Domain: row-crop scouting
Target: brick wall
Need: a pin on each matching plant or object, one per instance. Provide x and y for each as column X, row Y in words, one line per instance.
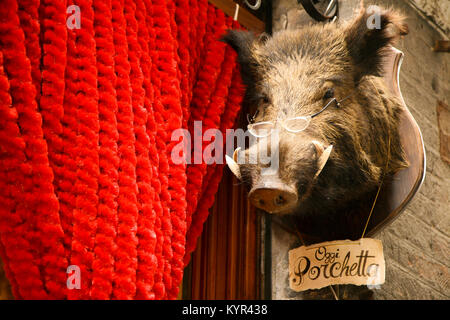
column 416, row 244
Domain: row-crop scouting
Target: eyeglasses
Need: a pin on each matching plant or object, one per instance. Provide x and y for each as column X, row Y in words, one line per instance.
column 294, row 125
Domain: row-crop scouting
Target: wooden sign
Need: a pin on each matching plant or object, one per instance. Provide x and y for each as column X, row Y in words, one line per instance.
column 358, row 262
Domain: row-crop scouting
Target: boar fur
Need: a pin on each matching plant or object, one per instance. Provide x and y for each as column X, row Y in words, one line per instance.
column 293, row 73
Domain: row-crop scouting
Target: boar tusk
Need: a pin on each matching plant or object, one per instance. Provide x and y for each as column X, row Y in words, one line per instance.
column 323, row 160
column 235, row 154
column 232, row 163
column 319, row 147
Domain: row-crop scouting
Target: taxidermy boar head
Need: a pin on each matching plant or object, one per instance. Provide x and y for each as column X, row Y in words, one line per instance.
column 320, row 88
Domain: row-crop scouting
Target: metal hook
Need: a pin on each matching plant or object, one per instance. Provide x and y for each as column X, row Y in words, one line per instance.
column 236, row 12
column 254, row 6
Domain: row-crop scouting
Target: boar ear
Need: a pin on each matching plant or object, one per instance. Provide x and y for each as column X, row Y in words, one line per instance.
column 232, row 163
column 241, row 42
column 370, row 34
column 322, row 156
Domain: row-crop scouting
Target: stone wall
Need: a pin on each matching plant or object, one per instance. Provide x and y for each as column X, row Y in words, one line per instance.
column 416, row 245
column 436, row 10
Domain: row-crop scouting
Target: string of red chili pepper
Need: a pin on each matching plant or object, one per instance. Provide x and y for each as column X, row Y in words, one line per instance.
column 181, row 18
column 84, row 218
column 170, row 97
column 108, row 188
column 147, row 261
column 29, row 179
column 125, row 254
column 53, row 37
column 165, row 119
column 29, row 22
column 179, row 22
column 154, row 126
column 54, row 262
column 14, row 249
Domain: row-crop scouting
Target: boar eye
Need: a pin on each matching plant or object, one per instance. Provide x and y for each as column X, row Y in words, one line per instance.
column 329, row 94
column 265, row 99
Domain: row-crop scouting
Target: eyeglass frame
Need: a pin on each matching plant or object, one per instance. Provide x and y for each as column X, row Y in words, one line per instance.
column 250, row 125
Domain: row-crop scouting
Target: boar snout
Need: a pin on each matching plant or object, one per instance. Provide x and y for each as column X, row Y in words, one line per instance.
column 273, row 196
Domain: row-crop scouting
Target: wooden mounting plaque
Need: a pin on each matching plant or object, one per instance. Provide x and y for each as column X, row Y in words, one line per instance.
column 397, row 193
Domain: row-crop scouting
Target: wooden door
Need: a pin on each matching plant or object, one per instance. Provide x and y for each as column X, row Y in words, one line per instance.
column 227, row 261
